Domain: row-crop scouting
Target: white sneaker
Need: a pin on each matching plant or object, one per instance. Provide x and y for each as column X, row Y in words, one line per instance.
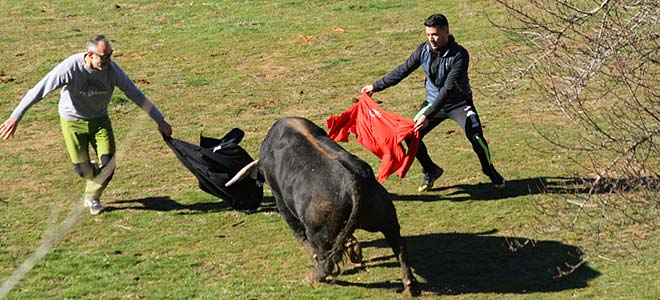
column 95, row 206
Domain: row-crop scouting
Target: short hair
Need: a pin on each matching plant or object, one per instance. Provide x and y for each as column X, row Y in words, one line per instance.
column 93, row 42
column 437, row 20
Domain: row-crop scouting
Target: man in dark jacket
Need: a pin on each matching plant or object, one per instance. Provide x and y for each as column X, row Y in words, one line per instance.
column 448, row 96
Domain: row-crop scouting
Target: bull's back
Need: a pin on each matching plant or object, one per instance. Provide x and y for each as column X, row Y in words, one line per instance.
column 299, row 160
column 303, row 143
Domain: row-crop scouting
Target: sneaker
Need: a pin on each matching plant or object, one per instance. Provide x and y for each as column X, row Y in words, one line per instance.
column 248, row 211
column 499, row 186
column 429, row 179
column 95, row 206
column 498, row 181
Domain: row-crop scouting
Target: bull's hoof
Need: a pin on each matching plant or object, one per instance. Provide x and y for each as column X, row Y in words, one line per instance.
column 311, row 278
column 312, row 284
column 413, row 289
column 354, row 251
column 319, row 276
column 329, row 279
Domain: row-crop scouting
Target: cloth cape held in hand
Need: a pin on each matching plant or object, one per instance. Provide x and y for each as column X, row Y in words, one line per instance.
column 379, row 131
column 214, row 162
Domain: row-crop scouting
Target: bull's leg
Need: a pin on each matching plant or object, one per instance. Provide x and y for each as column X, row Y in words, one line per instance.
column 297, row 227
column 323, row 265
column 321, row 239
column 400, row 249
column 298, row 230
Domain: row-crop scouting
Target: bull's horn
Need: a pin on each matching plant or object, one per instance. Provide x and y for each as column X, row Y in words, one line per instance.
column 242, row 173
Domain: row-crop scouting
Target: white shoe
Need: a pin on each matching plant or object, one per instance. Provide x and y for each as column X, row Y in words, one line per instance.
column 95, row 206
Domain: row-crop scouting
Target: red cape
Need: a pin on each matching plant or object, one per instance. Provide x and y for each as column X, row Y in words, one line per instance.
column 379, row 131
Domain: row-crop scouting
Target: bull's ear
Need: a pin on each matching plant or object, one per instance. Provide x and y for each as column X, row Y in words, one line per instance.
column 254, row 173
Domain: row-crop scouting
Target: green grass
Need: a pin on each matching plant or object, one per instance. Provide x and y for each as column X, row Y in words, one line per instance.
column 217, row 65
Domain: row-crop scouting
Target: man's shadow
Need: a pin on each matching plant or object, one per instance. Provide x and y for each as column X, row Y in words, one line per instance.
column 165, row 203
column 458, row 263
column 530, row 186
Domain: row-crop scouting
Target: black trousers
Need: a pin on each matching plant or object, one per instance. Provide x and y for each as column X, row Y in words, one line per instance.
column 467, row 117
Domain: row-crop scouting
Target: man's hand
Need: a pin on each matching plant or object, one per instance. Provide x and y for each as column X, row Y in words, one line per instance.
column 421, row 123
column 165, row 128
column 369, row 89
column 8, row 128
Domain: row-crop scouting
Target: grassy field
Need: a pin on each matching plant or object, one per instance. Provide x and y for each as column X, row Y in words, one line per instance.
column 212, row 66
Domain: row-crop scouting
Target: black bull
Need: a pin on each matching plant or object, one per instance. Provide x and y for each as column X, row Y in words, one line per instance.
column 325, row 193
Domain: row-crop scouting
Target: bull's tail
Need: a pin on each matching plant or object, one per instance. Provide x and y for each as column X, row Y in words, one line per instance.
column 336, row 254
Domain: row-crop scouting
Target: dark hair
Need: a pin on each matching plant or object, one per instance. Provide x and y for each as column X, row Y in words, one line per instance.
column 437, row 20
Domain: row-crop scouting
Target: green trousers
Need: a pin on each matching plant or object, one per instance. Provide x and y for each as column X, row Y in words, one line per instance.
column 78, row 136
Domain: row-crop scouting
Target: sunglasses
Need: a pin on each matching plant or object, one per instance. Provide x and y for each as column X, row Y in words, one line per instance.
column 104, row 57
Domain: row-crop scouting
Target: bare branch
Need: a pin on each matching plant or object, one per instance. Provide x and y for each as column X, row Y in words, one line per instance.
column 598, row 64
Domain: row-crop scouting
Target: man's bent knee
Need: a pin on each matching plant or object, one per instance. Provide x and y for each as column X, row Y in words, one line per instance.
column 84, row 169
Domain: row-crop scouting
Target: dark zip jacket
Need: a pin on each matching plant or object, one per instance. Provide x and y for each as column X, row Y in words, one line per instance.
column 447, row 84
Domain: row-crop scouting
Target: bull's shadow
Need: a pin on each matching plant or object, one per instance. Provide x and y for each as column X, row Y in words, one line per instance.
column 165, row 203
column 456, row 263
column 523, row 187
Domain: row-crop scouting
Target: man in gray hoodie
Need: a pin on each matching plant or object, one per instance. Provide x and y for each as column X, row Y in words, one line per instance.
column 88, row 80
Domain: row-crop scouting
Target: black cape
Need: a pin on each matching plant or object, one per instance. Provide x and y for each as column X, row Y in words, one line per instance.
column 216, row 161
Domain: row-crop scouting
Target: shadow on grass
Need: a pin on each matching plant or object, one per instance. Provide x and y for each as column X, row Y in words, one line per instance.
column 523, row 187
column 167, row 204
column 455, row 263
